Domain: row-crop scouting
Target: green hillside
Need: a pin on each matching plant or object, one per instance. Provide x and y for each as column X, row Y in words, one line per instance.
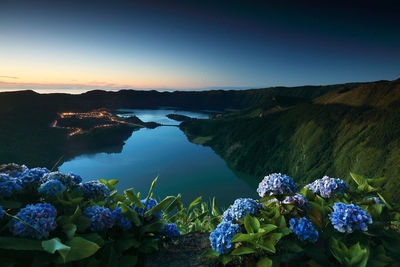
column 310, row 140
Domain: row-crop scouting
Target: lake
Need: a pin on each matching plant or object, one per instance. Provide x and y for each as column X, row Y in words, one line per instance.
column 182, row 167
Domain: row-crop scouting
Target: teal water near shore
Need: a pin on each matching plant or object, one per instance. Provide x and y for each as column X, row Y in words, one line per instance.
column 182, row 167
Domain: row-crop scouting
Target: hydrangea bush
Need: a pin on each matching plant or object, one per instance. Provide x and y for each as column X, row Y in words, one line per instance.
column 54, row 219
column 63, row 220
column 325, row 224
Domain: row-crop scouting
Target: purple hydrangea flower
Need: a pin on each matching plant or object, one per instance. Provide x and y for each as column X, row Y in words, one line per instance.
column 328, row 187
column 12, row 169
column 170, row 230
column 2, row 212
column 349, row 217
column 297, row 200
column 240, row 208
column 152, row 203
column 69, row 180
column 221, row 237
column 304, row 229
column 276, row 184
column 8, row 185
column 101, row 218
column 41, row 216
column 120, row 219
column 95, row 190
column 52, row 187
column 31, row 177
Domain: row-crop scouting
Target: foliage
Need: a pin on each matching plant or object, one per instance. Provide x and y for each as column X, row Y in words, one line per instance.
column 327, row 231
column 86, row 224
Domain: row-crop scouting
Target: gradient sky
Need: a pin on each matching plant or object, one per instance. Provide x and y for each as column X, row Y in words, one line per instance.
column 68, row 45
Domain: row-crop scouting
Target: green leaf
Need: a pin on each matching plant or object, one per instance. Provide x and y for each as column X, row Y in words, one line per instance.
column 214, row 208
column 244, row 238
column 150, row 191
column 130, row 194
column 81, row 248
column 359, row 179
column 242, row 251
column 93, row 237
column 195, row 203
column 82, row 222
column 173, row 204
column 266, row 228
column 160, row 206
column 69, row 230
column 113, row 181
column 152, row 227
column 54, row 245
column 225, row 259
column 251, row 224
column 265, row 262
column 267, row 245
column 384, row 201
column 15, row 243
column 130, row 213
column 127, row 243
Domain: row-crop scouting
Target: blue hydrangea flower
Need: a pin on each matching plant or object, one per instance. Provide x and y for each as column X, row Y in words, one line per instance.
column 120, row 219
column 52, row 187
column 152, row 203
column 2, row 212
column 8, row 185
column 221, row 237
column 101, row 218
column 297, row 200
column 12, row 169
column 31, row 177
column 376, row 200
column 276, row 184
column 41, row 216
column 170, row 230
column 69, row 180
column 304, row 229
column 240, row 208
column 95, row 190
column 349, row 217
column 328, row 187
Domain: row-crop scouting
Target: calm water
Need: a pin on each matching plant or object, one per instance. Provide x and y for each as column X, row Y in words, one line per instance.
column 183, row 167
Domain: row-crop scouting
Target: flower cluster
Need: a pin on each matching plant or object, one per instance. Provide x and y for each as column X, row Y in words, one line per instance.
column 95, row 190
column 69, row 180
column 304, row 229
column 152, row 203
column 101, row 218
column 12, row 169
column 297, row 200
column 2, row 212
column 170, row 230
column 40, row 220
column 349, row 217
column 240, row 208
column 8, row 185
column 31, row 177
column 327, row 187
column 221, row 237
column 52, row 187
column 120, row 219
column 276, row 184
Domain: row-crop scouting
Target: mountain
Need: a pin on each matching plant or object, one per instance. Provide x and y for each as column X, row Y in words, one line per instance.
column 306, row 131
column 353, row 128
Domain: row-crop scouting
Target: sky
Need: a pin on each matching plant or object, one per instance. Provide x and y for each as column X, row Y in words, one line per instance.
column 81, row 45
